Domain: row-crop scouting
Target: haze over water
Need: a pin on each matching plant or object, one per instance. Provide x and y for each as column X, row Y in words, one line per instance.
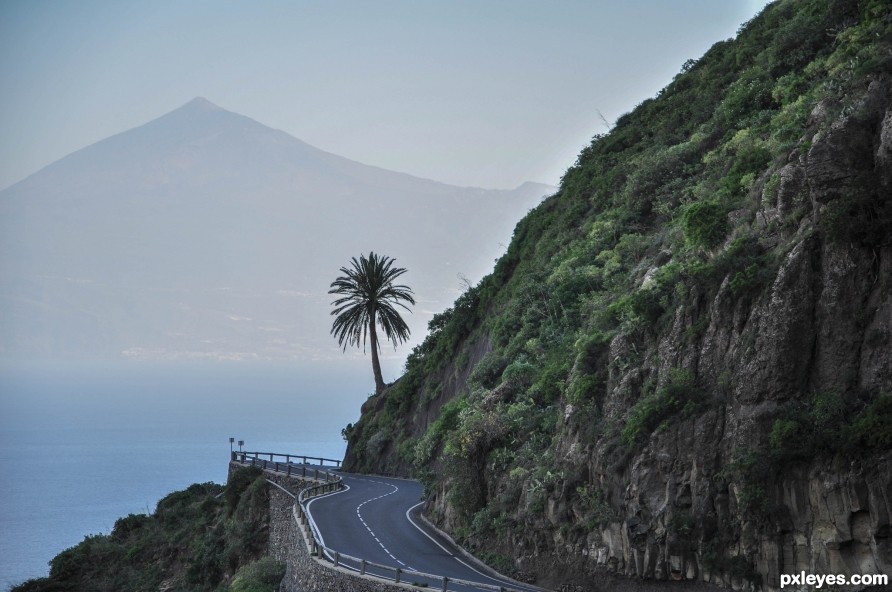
column 83, row 445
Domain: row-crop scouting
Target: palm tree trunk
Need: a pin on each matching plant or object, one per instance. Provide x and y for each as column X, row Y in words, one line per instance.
column 376, row 364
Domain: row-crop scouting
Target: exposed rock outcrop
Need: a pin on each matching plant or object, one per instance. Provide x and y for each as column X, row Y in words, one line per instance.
column 688, row 373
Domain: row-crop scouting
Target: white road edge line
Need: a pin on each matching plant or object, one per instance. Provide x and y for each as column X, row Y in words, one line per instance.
column 471, row 567
column 412, row 522
column 310, row 514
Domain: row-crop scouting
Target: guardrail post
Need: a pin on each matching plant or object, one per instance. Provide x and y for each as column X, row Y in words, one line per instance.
column 305, row 460
column 399, row 574
column 445, row 583
column 362, row 568
column 337, row 559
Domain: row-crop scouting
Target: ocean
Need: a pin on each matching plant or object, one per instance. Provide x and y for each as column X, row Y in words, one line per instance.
column 82, row 445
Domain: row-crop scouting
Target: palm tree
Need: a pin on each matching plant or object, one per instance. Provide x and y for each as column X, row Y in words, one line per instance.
column 368, row 296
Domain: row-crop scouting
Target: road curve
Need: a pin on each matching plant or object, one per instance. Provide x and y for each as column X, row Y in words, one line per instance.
column 376, row 519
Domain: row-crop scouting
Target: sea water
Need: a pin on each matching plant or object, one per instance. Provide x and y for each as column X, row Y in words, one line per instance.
column 83, row 444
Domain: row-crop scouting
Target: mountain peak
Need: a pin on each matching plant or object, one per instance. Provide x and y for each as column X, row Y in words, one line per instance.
column 203, row 104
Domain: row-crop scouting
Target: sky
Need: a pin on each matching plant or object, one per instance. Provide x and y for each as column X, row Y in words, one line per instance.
column 484, row 93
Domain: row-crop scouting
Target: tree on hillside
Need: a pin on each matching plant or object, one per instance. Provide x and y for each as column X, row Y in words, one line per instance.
column 368, row 300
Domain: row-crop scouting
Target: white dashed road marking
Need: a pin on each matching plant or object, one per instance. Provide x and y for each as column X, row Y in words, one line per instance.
column 371, row 532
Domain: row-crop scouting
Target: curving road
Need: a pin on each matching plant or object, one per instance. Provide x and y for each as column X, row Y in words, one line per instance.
column 376, row 518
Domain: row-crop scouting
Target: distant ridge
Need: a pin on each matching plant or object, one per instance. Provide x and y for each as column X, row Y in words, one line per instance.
column 183, row 237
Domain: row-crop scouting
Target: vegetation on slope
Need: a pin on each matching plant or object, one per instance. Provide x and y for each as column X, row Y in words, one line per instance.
column 204, row 538
column 653, row 220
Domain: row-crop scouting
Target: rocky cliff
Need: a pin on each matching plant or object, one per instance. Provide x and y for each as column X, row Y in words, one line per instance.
column 682, row 367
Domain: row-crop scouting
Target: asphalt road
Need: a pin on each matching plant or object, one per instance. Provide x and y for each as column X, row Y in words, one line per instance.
column 376, row 519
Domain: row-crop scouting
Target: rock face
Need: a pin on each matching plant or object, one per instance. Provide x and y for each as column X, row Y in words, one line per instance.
column 727, row 425
column 772, row 453
column 823, row 325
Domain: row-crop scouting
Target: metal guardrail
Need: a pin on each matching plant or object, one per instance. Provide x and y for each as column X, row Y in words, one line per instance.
column 288, row 458
column 332, row 483
column 289, row 468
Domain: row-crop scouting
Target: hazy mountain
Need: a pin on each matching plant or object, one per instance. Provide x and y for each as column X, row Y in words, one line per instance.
column 204, row 233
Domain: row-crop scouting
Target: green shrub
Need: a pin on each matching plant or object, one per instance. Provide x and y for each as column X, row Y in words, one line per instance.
column 750, row 471
column 751, row 159
column 584, row 388
column 745, row 261
column 594, row 505
column 785, row 434
column 861, row 217
column 679, row 396
column 705, row 224
column 645, row 306
column 499, row 562
column 830, row 423
column 263, row 575
column 488, row 370
column 873, row 426
column 682, row 524
column 428, row 445
column 520, row 374
column 751, row 92
column 550, row 382
column 236, row 486
column 129, row 525
column 746, row 281
column 44, row 585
